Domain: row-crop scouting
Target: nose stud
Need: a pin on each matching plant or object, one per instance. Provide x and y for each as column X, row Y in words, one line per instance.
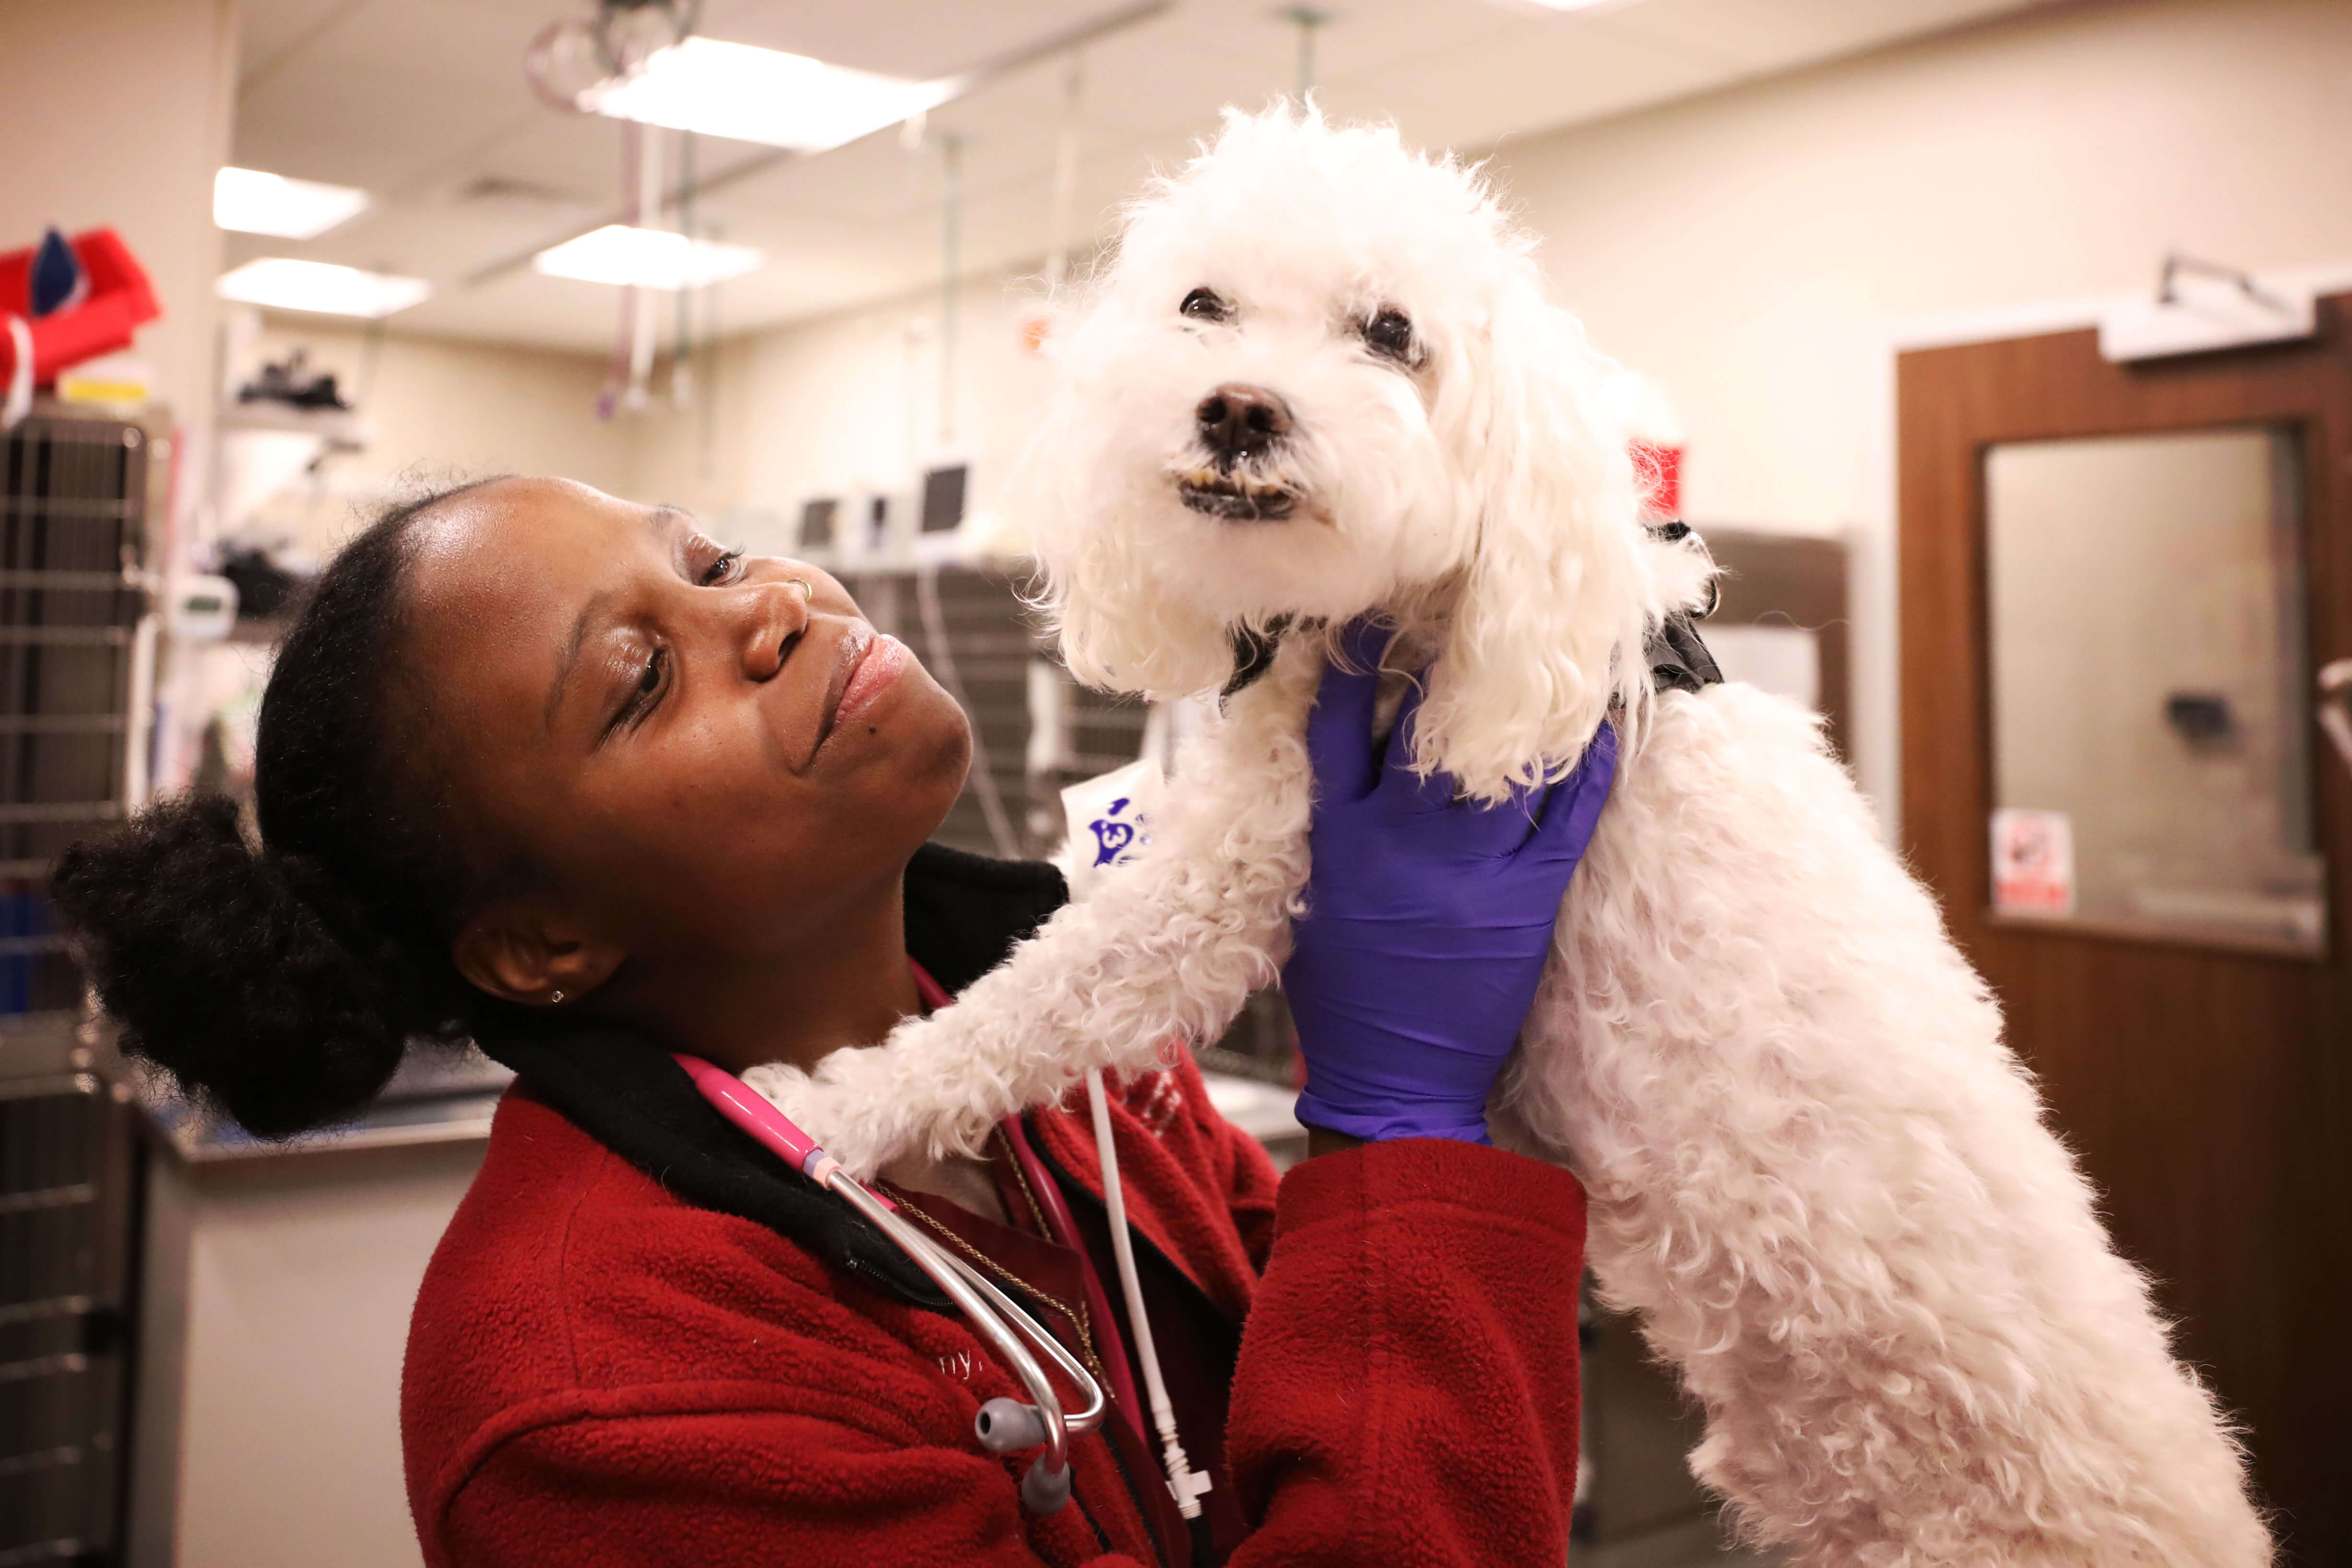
column 1238, row 421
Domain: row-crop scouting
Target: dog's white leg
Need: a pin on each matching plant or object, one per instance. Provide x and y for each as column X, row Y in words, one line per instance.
column 1822, row 1180
column 1169, row 946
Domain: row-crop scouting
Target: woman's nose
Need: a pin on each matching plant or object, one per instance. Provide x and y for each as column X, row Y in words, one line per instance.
column 774, row 615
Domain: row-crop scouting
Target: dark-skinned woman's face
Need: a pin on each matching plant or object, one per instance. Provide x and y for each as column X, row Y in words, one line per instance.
column 699, row 753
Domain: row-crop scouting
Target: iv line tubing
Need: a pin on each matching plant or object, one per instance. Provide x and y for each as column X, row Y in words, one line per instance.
column 1181, row 1479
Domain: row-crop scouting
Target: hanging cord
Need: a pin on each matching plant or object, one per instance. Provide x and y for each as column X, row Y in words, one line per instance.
column 1308, row 20
column 1183, row 1479
column 681, row 353
column 707, row 398
column 616, row 373
column 950, row 263
column 648, row 211
column 1065, row 176
column 941, row 657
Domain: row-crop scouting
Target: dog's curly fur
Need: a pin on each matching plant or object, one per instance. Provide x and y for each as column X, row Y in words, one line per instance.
column 1815, row 1170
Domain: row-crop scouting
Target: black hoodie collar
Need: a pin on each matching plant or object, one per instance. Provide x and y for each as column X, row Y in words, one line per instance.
column 964, row 912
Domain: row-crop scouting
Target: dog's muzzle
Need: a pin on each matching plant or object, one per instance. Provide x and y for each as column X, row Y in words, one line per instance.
column 1234, row 499
column 1238, row 424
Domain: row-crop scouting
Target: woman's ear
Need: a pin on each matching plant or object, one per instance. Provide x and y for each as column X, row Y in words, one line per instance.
column 528, row 950
column 1546, row 631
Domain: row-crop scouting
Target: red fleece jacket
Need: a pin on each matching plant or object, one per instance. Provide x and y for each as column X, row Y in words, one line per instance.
column 599, row 1374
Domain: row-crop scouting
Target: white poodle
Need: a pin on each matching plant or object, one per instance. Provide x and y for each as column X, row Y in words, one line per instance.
column 1322, row 378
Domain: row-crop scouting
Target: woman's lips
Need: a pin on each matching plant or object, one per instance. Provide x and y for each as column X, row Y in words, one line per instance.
column 874, row 671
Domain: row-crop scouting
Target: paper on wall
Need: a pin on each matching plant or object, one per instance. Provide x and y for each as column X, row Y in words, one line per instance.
column 1110, row 820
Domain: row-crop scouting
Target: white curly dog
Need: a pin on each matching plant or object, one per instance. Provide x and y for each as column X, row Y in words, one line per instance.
column 1322, row 378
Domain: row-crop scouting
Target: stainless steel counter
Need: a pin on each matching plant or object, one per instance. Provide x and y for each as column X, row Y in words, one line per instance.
column 435, row 1097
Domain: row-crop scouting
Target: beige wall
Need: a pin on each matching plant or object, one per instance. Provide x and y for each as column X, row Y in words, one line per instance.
column 117, row 112
column 853, row 401
column 443, row 409
column 1759, row 249
column 1754, row 249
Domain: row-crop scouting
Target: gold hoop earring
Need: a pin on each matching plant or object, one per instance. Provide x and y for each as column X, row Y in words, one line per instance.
column 553, row 1000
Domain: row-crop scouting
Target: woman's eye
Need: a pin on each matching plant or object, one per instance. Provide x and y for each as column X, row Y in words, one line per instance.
column 1390, row 335
column 721, row 570
column 642, row 698
column 1205, row 305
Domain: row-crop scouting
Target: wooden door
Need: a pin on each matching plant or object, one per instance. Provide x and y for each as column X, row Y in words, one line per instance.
column 2203, row 1074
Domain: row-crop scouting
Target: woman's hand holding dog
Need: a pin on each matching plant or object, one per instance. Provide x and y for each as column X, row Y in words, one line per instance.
column 1428, row 917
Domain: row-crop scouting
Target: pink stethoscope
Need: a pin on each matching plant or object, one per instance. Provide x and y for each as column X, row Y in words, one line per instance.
column 1002, row 1425
column 1005, row 1425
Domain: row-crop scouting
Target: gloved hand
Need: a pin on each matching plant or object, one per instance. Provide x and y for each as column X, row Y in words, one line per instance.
column 1428, row 919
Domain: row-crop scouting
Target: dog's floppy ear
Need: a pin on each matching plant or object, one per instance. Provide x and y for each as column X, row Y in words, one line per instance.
column 1546, row 628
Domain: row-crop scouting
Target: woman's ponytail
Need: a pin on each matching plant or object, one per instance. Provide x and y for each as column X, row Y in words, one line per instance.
column 280, row 980
column 221, row 972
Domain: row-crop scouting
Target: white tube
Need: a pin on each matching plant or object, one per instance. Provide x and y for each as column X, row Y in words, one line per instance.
column 1183, row 1480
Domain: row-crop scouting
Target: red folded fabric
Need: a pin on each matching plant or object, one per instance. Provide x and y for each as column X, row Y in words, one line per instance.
column 120, row 301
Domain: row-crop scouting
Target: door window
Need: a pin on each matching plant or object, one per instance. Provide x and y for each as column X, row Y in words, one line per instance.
column 2152, row 721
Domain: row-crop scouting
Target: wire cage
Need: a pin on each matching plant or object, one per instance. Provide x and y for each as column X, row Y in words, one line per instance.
column 73, row 501
column 74, row 495
column 970, row 628
column 67, row 1164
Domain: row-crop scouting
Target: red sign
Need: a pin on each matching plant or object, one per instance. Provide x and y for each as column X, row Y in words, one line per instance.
column 2032, row 862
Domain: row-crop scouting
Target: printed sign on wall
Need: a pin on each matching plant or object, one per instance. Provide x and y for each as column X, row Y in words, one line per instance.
column 2032, row 862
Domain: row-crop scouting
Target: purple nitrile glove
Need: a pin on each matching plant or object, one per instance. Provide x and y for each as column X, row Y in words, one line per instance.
column 1428, row 919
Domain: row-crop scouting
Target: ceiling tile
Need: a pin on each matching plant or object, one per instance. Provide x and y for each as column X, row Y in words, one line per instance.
column 422, row 101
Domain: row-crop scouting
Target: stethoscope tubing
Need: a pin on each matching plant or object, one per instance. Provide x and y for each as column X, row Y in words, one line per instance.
column 1003, row 1322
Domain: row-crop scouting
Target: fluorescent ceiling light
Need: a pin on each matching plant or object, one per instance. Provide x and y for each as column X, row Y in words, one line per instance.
column 650, row 257
column 282, row 283
column 716, row 89
column 252, row 202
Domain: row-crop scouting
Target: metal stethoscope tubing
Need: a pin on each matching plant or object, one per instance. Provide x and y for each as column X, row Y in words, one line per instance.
column 1004, row 1425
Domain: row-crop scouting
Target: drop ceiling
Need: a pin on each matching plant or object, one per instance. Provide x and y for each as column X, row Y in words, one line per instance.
column 422, row 103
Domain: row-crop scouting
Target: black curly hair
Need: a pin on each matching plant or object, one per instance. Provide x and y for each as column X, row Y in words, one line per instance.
column 281, row 982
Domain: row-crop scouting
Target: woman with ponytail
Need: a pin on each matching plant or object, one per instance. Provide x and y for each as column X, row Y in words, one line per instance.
column 557, row 774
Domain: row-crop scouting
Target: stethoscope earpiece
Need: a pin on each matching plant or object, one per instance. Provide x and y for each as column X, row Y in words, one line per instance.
column 1007, row 1426
column 1044, row 1490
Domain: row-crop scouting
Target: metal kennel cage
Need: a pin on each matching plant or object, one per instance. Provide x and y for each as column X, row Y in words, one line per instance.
column 74, row 498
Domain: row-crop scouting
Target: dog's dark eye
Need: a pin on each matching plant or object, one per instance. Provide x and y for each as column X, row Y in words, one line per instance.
column 1205, row 305
column 1390, row 335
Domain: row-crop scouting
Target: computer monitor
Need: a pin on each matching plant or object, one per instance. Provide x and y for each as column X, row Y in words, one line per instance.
column 817, row 515
column 943, row 497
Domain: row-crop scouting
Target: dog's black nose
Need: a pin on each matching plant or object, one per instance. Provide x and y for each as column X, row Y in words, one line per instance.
column 1239, row 421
